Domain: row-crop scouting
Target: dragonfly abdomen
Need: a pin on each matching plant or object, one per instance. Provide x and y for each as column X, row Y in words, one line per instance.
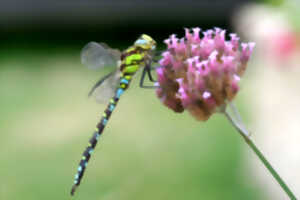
column 124, row 83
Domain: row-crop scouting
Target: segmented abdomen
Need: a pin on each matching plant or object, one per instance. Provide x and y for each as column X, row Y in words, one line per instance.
column 129, row 66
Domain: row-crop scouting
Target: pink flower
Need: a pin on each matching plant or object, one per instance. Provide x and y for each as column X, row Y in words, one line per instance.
column 200, row 74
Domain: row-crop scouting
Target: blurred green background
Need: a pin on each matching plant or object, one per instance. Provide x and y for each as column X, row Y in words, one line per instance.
column 147, row 151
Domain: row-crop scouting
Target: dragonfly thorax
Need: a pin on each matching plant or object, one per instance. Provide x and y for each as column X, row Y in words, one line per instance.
column 134, row 57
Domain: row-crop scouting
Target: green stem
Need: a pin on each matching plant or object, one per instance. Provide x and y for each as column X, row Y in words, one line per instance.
column 245, row 134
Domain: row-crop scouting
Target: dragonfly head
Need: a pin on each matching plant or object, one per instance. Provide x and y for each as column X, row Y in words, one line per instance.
column 145, row 42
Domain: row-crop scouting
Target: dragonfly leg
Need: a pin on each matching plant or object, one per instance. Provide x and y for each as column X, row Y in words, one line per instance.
column 142, row 81
column 148, row 69
column 150, row 75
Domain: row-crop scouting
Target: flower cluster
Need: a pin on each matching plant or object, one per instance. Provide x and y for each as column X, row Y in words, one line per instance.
column 200, row 74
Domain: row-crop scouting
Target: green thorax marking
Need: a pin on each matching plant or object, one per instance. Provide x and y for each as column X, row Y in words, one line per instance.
column 132, row 58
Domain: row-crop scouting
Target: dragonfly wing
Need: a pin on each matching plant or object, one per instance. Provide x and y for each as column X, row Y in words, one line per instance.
column 95, row 56
column 99, row 83
column 115, row 52
column 106, row 89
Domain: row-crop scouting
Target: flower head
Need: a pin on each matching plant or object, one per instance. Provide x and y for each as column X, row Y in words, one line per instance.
column 200, row 74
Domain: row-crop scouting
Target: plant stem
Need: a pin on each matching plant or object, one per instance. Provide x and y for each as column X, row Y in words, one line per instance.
column 245, row 134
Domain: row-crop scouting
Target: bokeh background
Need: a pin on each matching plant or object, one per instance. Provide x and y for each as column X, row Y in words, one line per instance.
column 147, row 151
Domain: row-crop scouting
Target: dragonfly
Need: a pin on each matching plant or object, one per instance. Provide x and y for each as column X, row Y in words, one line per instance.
column 114, row 84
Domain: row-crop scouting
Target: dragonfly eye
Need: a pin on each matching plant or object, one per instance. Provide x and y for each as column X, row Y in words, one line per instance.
column 145, row 42
column 140, row 42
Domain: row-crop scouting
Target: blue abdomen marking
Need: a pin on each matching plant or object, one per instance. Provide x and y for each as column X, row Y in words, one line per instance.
column 120, row 91
column 97, row 136
column 104, row 122
column 111, row 107
column 125, row 81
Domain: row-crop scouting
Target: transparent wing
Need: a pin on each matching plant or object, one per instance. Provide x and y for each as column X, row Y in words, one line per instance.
column 115, row 52
column 106, row 89
column 95, row 56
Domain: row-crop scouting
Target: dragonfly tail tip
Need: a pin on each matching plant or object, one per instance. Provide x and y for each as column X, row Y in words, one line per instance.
column 73, row 190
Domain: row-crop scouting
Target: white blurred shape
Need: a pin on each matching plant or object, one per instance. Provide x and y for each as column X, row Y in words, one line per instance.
column 275, row 94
